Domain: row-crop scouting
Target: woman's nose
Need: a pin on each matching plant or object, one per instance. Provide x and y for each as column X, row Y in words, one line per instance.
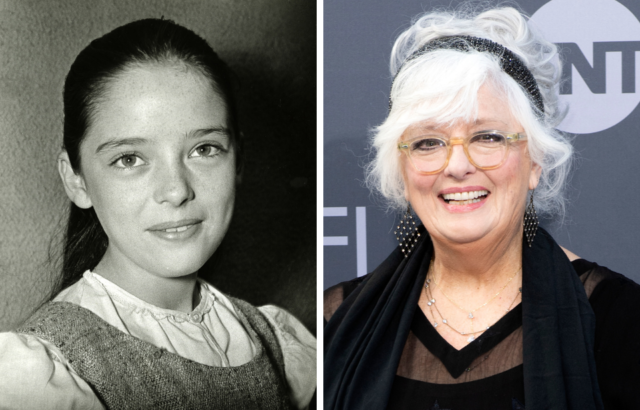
column 173, row 185
column 459, row 165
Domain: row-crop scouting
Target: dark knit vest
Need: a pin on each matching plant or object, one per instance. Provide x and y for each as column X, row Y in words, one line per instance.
column 128, row 373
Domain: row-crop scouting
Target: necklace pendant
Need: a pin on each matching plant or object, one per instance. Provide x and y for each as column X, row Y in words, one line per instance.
column 435, row 324
column 433, row 301
column 471, row 339
column 429, row 303
column 444, row 321
column 470, row 315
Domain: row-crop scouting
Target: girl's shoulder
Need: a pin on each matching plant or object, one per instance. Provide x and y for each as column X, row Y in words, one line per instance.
column 297, row 343
column 280, row 319
column 35, row 375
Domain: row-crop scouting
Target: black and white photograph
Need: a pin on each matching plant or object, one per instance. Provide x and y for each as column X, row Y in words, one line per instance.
column 159, row 205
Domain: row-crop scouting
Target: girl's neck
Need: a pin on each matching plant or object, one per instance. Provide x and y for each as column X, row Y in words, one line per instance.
column 173, row 293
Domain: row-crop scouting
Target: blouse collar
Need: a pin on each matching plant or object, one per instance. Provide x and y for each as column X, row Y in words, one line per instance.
column 139, row 306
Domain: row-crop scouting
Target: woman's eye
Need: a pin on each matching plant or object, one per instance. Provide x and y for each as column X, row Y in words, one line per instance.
column 206, row 150
column 427, row 144
column 489, row 138
column 128, row 161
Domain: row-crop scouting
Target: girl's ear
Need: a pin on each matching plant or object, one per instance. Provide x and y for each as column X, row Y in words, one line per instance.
column 73, row 183
column 239, row 157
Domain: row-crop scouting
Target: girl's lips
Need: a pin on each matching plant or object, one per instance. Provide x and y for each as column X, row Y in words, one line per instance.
column 174, row 224
column 180, row 232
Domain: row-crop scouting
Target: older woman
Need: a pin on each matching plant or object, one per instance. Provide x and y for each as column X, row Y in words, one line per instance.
column 480, row 308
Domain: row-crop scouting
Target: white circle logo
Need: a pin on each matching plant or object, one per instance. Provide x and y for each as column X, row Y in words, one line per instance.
column 598, row 40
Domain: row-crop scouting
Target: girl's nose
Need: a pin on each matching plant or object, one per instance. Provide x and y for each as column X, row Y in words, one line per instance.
column 459, row 165
column 173, row 185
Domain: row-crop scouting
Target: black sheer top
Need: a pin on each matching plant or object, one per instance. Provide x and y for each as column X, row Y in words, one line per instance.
column 488, row 373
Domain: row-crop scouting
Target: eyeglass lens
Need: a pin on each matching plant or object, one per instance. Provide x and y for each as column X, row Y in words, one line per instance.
column 430, row 153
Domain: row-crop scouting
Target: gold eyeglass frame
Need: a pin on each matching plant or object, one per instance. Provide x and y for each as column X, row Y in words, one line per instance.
column 509, row 137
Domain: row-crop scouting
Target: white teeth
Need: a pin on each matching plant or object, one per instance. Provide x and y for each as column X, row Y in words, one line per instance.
column 470, row 201
column 465, row 196
column 179, row 229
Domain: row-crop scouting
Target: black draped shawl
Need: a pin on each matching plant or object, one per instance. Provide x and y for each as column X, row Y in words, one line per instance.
column 366, row 335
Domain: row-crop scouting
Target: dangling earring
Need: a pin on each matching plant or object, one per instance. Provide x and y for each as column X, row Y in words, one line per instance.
column 407, row 232
column 530, row 221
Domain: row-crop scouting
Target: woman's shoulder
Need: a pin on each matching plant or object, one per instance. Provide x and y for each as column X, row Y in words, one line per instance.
column 601, row 282
column 615, row 300
column 336, row 294
column 35, row 375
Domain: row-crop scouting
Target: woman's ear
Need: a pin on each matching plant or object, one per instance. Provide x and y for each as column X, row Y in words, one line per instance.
column 534, row 177
column 73, row 183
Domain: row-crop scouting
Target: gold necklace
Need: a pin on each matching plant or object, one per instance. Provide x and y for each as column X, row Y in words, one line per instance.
column 479, row 307
column 431, row 302
column 472, row 333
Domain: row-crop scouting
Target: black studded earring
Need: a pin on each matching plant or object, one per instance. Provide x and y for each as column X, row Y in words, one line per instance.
column 407, row 232
column 530, row 221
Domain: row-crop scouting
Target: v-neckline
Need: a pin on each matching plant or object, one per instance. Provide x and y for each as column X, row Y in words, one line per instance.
column 457, row 361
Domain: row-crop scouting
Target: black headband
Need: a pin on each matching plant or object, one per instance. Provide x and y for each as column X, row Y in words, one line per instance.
column 509, row 62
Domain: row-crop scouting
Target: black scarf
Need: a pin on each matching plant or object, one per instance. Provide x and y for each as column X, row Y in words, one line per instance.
column 366, row 335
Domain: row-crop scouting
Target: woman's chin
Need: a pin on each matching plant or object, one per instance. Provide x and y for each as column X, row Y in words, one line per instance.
column 460, row 235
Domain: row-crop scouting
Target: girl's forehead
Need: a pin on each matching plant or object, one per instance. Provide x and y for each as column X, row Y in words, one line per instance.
column 152, row 101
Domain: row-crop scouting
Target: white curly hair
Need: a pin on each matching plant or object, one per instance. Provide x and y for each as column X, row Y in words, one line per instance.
column 442, row 86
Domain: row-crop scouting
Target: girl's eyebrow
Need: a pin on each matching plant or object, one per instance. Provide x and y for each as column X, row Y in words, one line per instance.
column 118, row 142
column 115, row 143
column 206, row 131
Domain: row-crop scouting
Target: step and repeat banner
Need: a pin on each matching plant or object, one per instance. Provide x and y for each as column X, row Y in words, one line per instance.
column 600, row 42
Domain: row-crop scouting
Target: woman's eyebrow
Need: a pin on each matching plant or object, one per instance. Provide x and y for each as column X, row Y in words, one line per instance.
column 481, row 121
column 115, row 143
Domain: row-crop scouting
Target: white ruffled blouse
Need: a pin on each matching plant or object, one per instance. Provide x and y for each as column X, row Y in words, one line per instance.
column 35, row 375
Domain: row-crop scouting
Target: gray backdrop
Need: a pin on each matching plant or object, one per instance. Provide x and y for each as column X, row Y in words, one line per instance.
column 599, row 40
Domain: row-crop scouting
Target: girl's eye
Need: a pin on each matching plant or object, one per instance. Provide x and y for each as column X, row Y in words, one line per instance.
column 128, row 161
column 206, row 150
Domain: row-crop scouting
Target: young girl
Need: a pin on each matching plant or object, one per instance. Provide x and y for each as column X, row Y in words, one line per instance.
column 150, row 161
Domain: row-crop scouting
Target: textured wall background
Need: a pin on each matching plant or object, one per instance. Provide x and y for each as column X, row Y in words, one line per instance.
column 269, row 254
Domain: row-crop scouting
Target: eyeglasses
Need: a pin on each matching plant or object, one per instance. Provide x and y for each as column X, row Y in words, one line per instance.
column 430, row 154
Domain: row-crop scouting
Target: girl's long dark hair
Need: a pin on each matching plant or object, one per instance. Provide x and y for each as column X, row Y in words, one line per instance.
column 150, row 41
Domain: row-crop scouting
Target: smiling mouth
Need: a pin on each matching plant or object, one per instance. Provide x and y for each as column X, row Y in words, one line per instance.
column 176, row 226
column 178, row 229
column 465, row 198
